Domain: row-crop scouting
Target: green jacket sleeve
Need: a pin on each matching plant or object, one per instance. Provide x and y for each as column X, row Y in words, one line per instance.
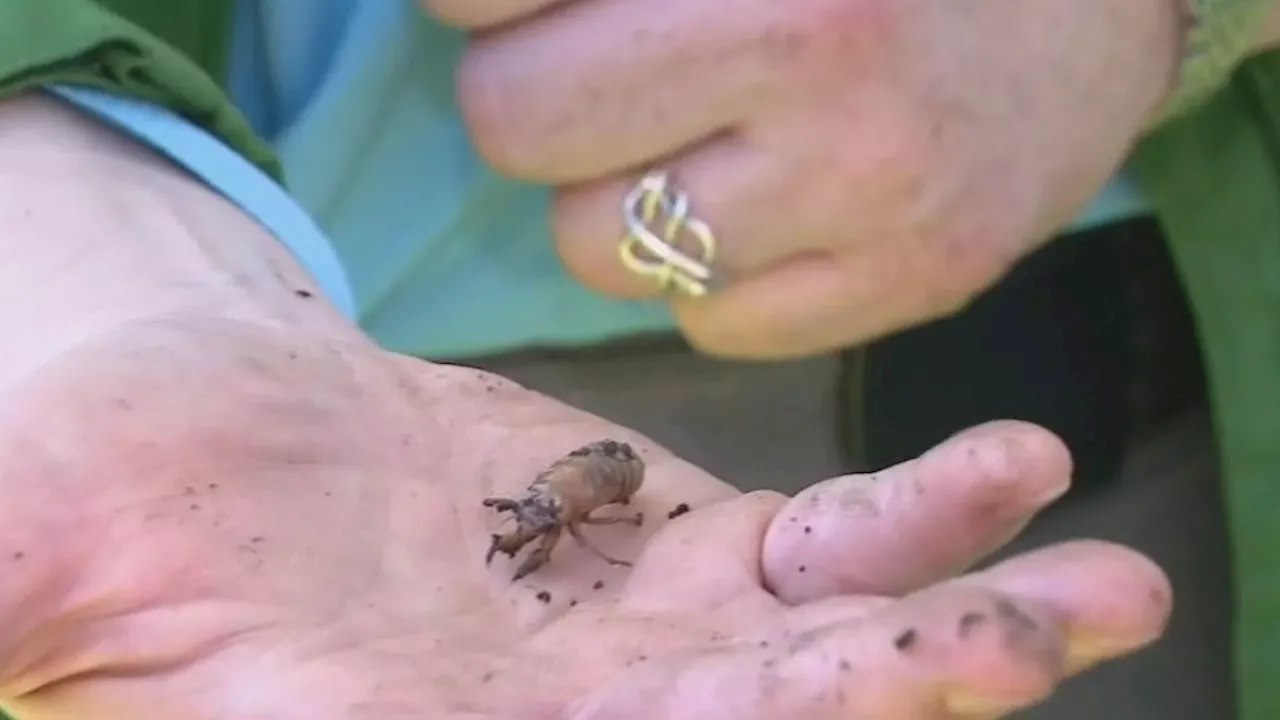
column 1213, row 177
column 169, row 52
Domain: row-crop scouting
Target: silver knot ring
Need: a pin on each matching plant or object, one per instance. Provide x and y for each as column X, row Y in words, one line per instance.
column 657, row 218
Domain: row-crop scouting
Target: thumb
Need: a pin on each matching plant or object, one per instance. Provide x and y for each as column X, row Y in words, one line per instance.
column 895, row 531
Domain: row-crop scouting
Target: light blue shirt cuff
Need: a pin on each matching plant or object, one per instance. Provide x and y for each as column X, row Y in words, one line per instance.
column 230, row 174
column 1120, row 200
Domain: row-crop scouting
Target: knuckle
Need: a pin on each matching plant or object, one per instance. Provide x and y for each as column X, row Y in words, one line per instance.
column 488, row 111
column 821, row 29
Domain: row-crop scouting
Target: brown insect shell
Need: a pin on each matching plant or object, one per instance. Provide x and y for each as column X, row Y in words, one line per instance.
column 582, row 483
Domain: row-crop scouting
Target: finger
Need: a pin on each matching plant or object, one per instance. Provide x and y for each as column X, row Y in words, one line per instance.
column 741, row 192
column 1113, row 600
column 982, row 646
column 806, row 305
column 705, row 558
column 895, row 531
column 602, row 86
column 477, row 14
column 913, row 658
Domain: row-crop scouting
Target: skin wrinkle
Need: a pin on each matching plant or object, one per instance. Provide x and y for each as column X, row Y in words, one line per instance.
column 857, row 500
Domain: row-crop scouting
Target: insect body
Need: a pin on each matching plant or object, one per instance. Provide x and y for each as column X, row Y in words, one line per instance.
column 562, row 498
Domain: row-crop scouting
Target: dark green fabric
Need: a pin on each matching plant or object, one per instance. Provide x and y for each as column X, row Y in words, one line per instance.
column 117, row 45
column 200, row 30
column 1214, row 178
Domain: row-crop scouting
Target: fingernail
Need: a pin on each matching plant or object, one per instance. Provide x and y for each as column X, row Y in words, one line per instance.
column 1052, row 493
column 961, row 702
column 1086, row 650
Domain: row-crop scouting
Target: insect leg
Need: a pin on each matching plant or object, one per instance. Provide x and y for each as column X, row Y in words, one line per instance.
column 501, row 504
column 582, row 540
column 494, row 545
column 508, row 544
column 540, row 555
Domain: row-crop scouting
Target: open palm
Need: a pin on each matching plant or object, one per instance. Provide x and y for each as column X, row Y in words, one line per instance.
column 213, row 520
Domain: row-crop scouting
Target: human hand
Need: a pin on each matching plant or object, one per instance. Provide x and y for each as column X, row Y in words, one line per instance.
column 865, row 164
column 218, row 519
